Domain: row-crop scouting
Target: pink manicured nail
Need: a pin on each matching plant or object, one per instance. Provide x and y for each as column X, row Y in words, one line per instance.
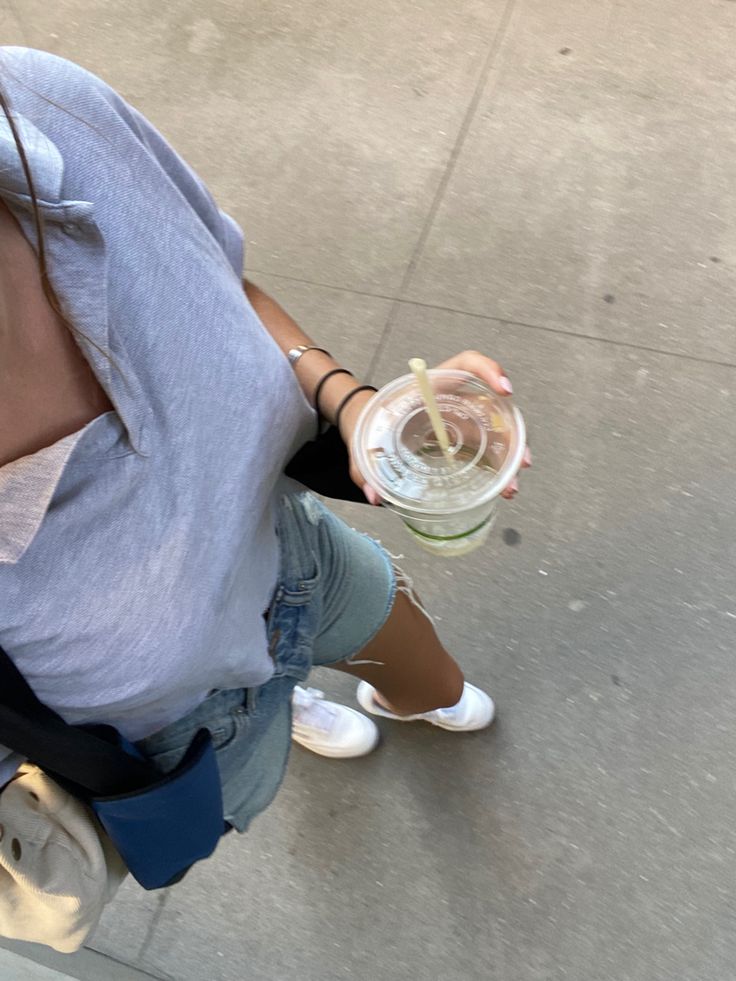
column 528, row 457
column 514, row 485
column 371, row 496
column 505, row 384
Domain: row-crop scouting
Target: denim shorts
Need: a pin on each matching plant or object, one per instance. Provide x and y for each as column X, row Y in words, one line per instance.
column 335, row 591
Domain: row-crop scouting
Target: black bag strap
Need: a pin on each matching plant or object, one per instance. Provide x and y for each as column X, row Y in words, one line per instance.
column 96, row 766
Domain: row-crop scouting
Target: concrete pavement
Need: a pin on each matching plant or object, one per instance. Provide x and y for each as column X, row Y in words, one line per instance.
column 30, row 962
column 551, row 183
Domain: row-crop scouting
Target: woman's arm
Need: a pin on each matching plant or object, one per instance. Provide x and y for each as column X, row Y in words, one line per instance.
column 313, row 365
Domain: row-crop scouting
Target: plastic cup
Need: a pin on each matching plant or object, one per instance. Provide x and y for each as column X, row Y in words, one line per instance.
column 446, row 501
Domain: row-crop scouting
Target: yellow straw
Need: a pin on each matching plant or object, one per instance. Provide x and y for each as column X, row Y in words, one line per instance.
column 419, row 368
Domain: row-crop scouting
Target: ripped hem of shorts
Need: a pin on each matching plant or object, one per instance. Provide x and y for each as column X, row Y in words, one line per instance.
column 402, row 583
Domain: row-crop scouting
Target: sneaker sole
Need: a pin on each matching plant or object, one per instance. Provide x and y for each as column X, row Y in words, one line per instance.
column 366, row 701
column 335, row 754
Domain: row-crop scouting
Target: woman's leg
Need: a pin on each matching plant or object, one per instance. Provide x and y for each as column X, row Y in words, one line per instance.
column 406, row 663
column 357, row 580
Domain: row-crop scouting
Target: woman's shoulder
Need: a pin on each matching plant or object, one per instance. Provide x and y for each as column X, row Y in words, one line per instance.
column 33, row 71
column 58, row 95
column 91, row 125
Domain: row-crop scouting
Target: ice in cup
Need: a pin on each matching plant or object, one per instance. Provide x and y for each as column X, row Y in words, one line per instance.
column 446, row 499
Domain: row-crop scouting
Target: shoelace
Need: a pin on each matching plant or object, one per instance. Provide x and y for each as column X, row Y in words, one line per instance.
column 310, row 711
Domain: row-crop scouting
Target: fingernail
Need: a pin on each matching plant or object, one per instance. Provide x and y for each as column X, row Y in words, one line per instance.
column 514, row 485
column 370, row 495
column 528, row 457
column 505, row 384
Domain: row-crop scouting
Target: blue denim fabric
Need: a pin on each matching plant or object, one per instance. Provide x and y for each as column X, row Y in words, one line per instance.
column 335, row 591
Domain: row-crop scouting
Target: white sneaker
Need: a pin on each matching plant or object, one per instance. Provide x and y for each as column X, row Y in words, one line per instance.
column 475, row 710
column 328, row 728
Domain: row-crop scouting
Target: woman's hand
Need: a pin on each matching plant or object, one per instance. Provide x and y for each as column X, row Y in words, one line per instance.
column 495, row 377
column 474, row 362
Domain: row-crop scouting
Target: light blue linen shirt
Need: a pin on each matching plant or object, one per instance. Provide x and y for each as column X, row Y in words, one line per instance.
column 137, row 556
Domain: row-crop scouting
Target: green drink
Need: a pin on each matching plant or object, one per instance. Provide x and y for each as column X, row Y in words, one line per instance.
column 447, row 499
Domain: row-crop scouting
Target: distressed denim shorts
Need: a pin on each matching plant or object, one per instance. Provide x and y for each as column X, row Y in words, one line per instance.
column 335, row 591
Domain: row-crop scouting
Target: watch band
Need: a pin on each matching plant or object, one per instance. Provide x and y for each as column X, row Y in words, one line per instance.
column 296, row 352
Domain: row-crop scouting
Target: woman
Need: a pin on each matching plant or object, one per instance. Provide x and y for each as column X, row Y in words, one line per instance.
column 157, row 571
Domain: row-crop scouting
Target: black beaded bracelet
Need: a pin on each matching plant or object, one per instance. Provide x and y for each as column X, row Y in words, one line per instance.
column 341, row 406
column 320, row 386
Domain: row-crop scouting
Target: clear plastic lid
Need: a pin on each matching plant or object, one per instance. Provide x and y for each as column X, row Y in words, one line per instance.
column 396, row 450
